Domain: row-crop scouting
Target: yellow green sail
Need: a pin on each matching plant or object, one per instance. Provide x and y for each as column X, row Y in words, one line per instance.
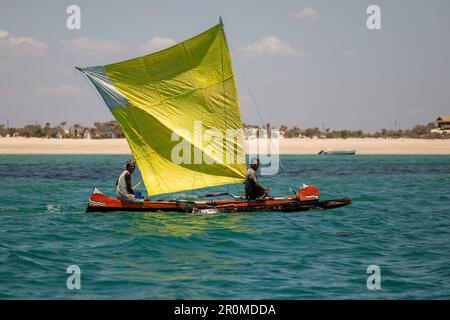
column 179, row 103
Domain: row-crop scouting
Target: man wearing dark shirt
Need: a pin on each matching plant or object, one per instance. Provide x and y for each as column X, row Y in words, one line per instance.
column 253, row 190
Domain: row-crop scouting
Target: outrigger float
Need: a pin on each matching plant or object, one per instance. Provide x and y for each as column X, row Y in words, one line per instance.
column 307, row 198
column 161, row 102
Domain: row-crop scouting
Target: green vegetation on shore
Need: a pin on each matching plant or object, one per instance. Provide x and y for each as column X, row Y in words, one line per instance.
column 101, row 130
column 418, row 132
column 110, row 129
column 428, row 131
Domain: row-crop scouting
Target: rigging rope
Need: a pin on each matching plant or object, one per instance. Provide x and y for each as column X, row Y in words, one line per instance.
column 283, row 169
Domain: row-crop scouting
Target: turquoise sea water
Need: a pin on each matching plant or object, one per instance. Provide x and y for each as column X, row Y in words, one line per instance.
column 400, row 221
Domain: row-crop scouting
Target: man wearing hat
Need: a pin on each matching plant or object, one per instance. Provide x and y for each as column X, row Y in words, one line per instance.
column 253, row 190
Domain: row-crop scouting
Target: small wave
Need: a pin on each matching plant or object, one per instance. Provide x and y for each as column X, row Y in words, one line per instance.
column 53, row 208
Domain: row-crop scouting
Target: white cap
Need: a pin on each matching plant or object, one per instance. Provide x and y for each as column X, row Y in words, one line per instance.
column 254, row 161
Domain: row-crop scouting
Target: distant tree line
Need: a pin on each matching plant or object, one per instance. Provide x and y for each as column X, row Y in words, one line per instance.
column 32, row 130
column 110, row 129
column 101, row 130
column 418, row 132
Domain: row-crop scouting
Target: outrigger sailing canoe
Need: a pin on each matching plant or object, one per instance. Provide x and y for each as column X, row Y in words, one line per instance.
column 98, row 202
column 179, row 111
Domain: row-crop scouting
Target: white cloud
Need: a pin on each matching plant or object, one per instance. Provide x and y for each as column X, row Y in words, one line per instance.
column 20, row 46
column 157, row 44
column 349, row 53
column 93, row 46
column 59, row 91
column 306, row 13
column 270, row 46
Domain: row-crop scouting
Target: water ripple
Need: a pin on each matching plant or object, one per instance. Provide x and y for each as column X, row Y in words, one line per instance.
column 398, row 221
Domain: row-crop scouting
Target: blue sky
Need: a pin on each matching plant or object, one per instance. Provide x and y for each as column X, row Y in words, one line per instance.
column 307, row 62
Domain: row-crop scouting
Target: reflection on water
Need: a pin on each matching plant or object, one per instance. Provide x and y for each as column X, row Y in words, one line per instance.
column 185, row 224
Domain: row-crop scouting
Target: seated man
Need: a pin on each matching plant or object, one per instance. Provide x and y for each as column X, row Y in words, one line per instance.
column 124, row 189
column 253, row 190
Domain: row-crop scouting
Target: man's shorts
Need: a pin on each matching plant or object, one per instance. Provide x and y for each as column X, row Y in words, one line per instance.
column 130, row 198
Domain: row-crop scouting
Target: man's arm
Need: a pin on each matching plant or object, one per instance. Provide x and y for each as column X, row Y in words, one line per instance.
column 254, row 178
column 259, row 187
column 128, row 182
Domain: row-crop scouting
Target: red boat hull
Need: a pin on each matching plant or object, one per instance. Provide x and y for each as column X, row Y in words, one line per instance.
column 98, row 202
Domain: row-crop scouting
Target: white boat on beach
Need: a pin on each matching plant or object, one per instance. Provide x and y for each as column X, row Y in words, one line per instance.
column 337, row 152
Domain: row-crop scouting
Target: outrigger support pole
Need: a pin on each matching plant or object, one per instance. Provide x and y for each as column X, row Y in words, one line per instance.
column 223, row 194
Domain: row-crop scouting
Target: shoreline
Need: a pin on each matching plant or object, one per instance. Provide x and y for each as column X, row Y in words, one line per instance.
column 299, row 146
column 368, row 146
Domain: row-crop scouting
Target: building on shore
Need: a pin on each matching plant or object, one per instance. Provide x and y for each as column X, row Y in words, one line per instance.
column 275, row 134
column 76, row 130
column 442, row 125
column 250, row 133
column 87, row 133
column 443, row 122
column 257, row 133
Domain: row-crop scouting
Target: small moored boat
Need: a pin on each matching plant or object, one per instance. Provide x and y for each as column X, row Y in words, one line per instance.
column 338, row 152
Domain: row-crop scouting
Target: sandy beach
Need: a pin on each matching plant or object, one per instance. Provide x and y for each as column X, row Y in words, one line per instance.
column 286, row 146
